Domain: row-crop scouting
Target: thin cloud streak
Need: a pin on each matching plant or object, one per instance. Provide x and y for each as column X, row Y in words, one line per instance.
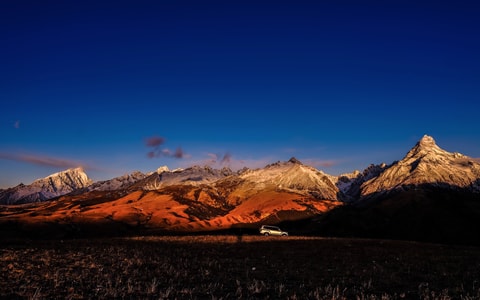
column 227, row 160
column 154, row 141
column 215, row 160
column 45, row 161
column 179, row 153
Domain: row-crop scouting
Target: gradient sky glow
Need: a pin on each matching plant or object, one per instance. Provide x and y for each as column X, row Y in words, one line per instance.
column 121, row 86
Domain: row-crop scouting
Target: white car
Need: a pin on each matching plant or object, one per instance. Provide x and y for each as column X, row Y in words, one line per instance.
column 267, row 230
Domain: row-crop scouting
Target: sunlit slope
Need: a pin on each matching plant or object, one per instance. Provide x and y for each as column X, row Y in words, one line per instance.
column 42, row 189
column 429, row 195
column 283, row 177
column 427, row 164
column 279, row 192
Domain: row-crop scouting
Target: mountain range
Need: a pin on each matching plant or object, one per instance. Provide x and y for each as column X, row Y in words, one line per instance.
column 430, row 194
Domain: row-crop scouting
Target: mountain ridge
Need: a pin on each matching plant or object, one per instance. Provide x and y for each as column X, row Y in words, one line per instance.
column 383, row 200
column 426, row 162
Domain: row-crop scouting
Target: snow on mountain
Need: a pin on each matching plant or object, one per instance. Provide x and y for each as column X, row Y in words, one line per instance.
column 163, row 169
column 46, row 188
column 298, row 177
column 291, row 176
column 195, row 175
column 349, row 184
column 117, row 183
column 426, row 163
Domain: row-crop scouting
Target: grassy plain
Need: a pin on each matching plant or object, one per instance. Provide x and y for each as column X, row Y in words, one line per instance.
column 237, row 267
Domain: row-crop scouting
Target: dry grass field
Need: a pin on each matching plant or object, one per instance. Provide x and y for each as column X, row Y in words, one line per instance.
column 236, row 267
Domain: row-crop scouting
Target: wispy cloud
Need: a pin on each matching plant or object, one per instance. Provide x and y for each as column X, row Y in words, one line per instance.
column 41, row 160
column 215, row 160
column 154, row 141
column 219, row 159
column 155, row 144
column 179, row 153
column 16, row 124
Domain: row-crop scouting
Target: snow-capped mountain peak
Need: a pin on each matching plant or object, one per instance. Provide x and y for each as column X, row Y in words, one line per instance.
column 195, row 175
column 162, row 169
column 294, row 160
column 291, row 176
column 117, row 183
column 427, row 163
column 69, row 179
column 426, row 146
column 54, row 185
column 427, row 141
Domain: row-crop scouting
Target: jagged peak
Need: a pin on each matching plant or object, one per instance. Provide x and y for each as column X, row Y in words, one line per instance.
column 426, row 163
column 427, row 141
column 59, row 183
column 162, row 169
column 72, row 170
column 425, row 145
column 226, row 171
column 137, row 172
column 293, row 160
column 77, row 170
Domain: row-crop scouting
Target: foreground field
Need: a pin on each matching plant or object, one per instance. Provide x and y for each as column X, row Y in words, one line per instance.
column 234, row 267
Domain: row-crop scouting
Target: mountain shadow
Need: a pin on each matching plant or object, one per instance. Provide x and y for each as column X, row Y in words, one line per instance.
column 442, row 213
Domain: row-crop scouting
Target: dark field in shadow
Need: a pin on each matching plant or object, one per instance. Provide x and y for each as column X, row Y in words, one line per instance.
column 236, row 267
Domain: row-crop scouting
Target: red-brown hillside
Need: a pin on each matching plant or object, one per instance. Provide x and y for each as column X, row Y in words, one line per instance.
column 281, row 191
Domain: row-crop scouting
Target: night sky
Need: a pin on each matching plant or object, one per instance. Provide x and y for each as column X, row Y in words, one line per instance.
column 122, row 86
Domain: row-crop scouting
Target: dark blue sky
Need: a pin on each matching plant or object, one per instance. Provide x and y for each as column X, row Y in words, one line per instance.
column 123, row 86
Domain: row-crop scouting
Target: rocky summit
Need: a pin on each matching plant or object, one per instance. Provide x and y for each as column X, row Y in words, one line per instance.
column 54, row 185
column 427, row 164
